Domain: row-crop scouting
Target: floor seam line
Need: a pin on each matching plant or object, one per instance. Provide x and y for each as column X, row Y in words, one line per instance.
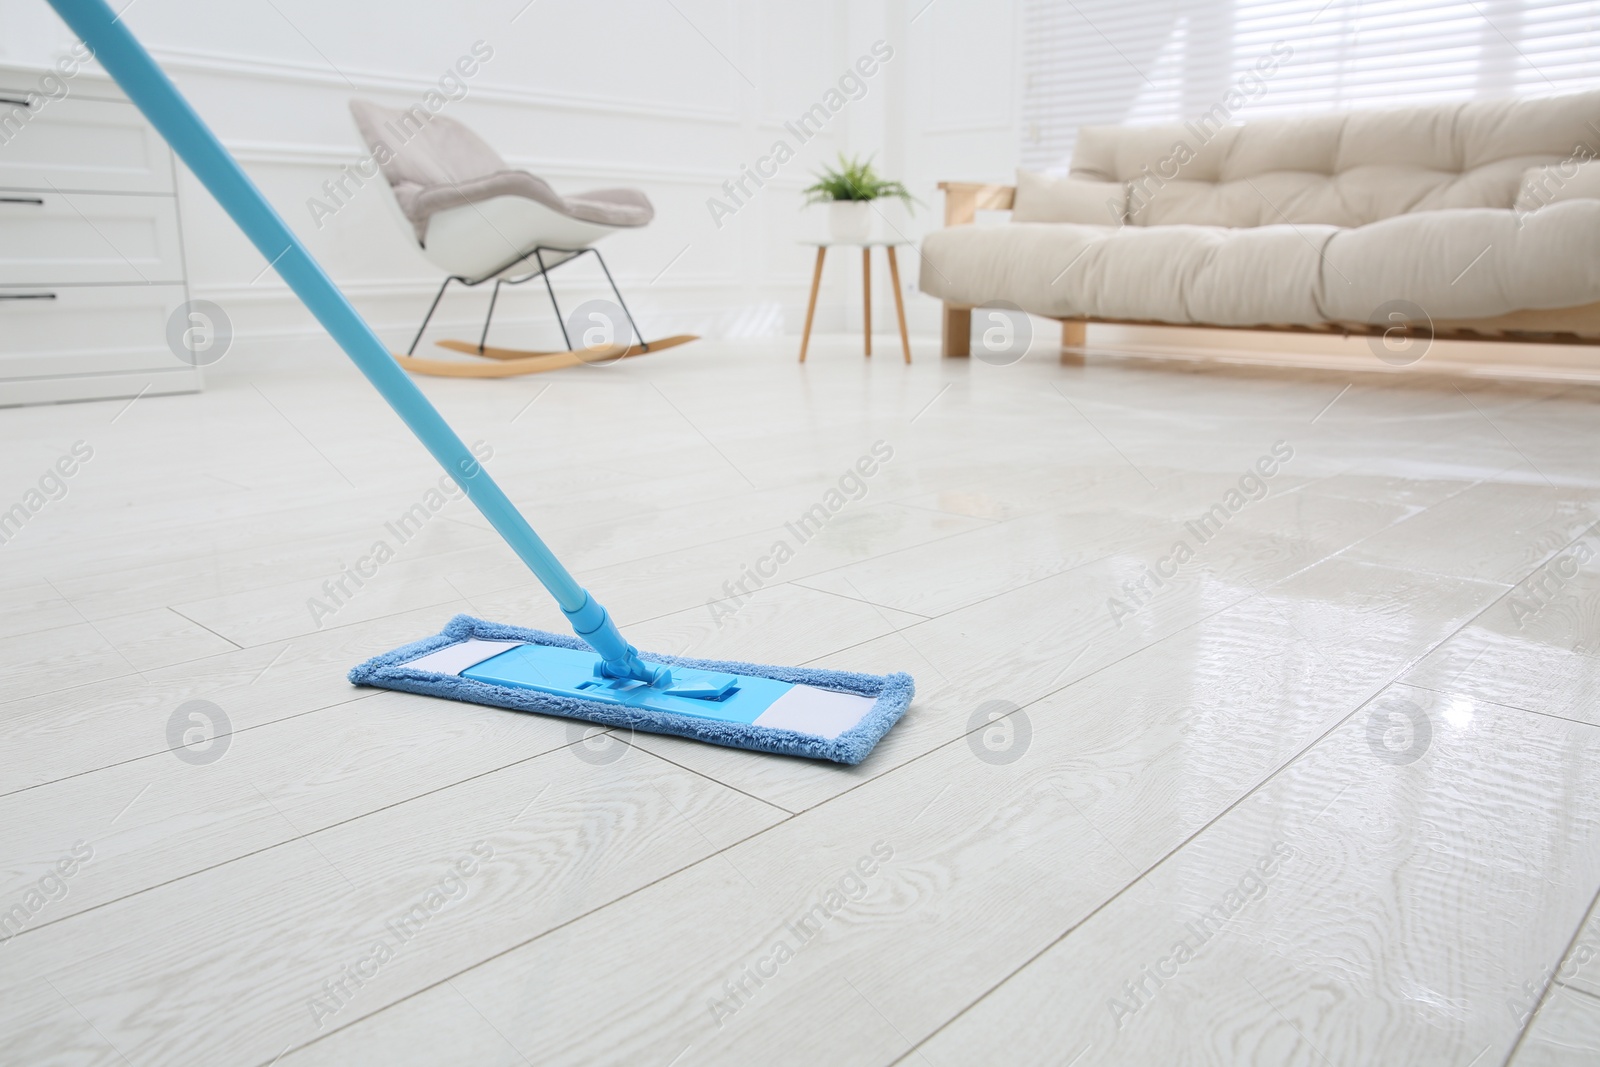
column 1501, row 704
column 237, row 646
column 702, row 775
column 1550, row 983
column 161, row 752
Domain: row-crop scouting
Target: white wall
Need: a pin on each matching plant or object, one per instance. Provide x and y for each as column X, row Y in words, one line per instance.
column 672, row 97
column 957, row 117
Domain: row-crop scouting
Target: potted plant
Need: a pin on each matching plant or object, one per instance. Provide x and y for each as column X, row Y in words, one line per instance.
column 849, row 192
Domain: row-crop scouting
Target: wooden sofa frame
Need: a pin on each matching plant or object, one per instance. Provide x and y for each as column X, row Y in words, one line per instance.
column 1562, row 326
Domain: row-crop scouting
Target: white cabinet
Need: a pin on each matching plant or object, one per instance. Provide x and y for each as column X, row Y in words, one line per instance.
column 91, row 252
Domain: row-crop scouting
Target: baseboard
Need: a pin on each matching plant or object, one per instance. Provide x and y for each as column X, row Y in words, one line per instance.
column 72, row 388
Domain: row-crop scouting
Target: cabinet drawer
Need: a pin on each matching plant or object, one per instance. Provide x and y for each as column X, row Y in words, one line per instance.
column 49, row 238
column 78, row 144
column 86, row 329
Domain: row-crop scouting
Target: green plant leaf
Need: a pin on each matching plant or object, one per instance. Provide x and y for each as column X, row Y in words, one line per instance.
column 855, row 179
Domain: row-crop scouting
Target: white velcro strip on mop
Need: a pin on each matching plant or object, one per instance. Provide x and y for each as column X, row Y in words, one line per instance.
column 453, row 659
column 818, row 712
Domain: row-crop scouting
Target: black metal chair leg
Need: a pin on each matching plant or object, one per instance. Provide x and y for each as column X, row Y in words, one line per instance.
column 643, row 344
column 483, row 339
column 429, row 316
column 544, row 272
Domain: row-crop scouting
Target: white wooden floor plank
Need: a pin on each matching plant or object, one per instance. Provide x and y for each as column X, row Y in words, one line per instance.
column 97, row 723
column 1337, row 613
column 408, row 896
column 169, row 814
column 1378, row 904
column 1565, row 1033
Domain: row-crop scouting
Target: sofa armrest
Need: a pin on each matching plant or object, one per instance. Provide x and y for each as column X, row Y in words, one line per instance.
column 963, row 200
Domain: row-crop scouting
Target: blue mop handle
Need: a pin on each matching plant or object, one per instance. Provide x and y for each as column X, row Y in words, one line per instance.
column 127, row 61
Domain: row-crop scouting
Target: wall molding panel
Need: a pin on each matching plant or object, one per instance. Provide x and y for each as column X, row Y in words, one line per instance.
column 222, row 64
column 312, row 154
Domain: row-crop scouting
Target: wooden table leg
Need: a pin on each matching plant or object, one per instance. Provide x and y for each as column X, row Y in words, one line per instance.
column 866, row 293
column 811, row 308
column 899, row 303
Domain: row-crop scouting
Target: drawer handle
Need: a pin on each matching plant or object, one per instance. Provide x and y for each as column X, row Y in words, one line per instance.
column 13, row 101
column 21, row 200
column 27, row 296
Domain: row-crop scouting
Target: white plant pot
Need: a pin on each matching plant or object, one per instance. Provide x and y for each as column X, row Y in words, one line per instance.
column 850, row 220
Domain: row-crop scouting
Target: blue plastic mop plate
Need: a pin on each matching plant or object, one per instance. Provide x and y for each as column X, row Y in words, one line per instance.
column 570, row 672
column 800, row 711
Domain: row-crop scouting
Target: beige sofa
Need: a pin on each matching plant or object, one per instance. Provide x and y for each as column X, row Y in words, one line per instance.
column 1482, row 217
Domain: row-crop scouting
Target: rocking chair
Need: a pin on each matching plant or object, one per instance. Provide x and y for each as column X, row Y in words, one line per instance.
column 479, row 220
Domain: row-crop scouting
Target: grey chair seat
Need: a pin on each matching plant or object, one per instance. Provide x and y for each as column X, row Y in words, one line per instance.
column 435, row 164
column 603, row 207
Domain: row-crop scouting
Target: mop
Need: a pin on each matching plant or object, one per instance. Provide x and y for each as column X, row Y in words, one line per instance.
column 598, row 676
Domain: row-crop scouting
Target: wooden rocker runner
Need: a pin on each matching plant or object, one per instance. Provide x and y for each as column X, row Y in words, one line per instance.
column 479, row 220
column 512, row 362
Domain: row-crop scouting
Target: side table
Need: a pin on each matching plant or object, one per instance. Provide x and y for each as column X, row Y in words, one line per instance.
column 866, row 287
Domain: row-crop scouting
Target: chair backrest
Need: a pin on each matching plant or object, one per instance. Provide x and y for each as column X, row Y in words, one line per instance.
column 417, row 149
column 1344, row 169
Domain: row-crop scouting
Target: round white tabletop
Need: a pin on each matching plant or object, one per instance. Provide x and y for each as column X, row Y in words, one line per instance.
column 831, row 243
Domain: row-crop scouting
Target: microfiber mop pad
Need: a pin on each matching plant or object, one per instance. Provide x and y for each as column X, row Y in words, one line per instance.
column 602, row 678
column 842, row 729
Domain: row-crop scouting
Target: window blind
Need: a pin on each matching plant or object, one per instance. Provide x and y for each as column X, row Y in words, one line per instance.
column 1088, row 62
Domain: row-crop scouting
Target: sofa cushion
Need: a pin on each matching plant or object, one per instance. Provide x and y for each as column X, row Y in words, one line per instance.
column 1167, row 274
column 1206, row 274
column 1344, row 170
column 1033, row 265
column 1456, row 264
column 1465, row 264
column 1550, row 184
column 1042, row 198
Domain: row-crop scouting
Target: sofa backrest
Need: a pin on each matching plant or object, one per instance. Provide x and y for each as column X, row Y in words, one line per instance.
column 1343, row 170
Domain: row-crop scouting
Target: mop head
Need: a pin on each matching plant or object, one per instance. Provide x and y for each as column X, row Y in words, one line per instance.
column 795, row 711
